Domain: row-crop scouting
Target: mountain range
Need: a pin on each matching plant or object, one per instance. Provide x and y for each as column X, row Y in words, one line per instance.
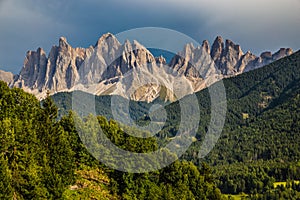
column 130, row 69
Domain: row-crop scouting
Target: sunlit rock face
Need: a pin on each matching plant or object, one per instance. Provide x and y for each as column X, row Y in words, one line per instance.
column 130, row 69
column 6, row 76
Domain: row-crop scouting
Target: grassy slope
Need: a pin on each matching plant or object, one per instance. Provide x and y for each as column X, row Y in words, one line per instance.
column 91, row 183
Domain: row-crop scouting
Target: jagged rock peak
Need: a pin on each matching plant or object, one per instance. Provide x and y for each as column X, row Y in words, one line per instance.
column 218, row 42
column 39, row 51
column 219, row 39
column 187, row 51
column 63, row 42
column 62, row 38
column 245, row 61
column 107, row 35
column 266, row 55
column 134, row 46
column 249, row 54
column 231, row 44
column 160, row 60
column 189, row 46
column 108, row 38
column 137, row 45
column 282, row 52
column 205, row 46
column 217, row 48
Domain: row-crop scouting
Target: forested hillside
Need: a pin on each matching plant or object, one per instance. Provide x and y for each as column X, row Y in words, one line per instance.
column 43, row 158
column 36, row 156
column 260, row 140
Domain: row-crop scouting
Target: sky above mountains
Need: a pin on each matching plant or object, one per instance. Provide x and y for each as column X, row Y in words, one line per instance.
column 256, row 25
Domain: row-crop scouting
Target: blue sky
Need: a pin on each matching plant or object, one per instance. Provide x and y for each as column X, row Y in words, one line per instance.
column 256, row 25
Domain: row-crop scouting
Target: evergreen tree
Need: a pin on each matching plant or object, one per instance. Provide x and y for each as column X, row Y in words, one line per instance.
column 58, row 156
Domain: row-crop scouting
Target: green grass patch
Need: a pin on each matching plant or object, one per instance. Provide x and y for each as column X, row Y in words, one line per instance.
column 91, row 183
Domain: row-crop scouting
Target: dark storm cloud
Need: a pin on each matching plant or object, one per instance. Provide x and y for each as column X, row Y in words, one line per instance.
column 256, row 25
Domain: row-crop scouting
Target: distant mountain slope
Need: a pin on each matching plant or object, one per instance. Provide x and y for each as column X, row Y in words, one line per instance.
column 131, row 70
column 102, row 104
column 271, row 100
column 254, row 152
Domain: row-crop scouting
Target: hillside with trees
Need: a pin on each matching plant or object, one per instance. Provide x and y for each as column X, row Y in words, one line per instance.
column 43, row 156
column 259, row 143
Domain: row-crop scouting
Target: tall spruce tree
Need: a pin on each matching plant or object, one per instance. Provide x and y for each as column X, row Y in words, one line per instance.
column 58, row 158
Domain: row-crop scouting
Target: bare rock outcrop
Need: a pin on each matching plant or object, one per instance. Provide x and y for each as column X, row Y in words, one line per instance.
column 7, row 77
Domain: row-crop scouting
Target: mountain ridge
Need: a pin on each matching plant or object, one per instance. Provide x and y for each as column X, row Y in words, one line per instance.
column 102, row 68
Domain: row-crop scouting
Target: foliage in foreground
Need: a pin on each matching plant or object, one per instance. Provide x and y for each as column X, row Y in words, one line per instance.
column 42, row 157
column 36, row 159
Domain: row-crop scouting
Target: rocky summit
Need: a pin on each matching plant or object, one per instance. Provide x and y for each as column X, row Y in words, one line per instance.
column 130, row 69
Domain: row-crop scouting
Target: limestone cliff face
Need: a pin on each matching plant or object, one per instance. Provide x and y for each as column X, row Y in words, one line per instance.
column 99, row 57
column 282, row 53
column 130, row 56
column 197, row 65
column 33, row 72
column 57, row 72
column 231, row 60
column 62, row 66
column 6, row 76
column 246, row 61
column 130, row 70
column 217, row 50
column 267, row 58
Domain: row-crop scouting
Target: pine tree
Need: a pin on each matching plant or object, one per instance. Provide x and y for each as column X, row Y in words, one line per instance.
column 58, row 159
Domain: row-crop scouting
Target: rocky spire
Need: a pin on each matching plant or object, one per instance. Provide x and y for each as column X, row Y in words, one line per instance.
column 34, row 68
column 217, row 49
column 63, row 42
column 206, row 47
